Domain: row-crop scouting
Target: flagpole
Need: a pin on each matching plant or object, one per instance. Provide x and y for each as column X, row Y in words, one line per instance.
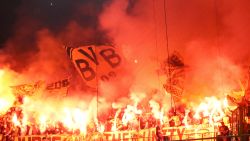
column 167, row 49
column 97, row 91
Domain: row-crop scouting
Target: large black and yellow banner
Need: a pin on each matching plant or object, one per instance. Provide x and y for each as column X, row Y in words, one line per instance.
column 95, row 62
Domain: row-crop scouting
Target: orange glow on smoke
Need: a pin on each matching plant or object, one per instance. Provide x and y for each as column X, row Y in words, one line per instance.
column 48, row 113
column 4, row 105
column 6, row 96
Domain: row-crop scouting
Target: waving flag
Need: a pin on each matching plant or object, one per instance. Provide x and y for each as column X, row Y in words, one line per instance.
column 95, row 62
column 27, row 89
column 237, row 96
column 174, row 69
column 58, row 88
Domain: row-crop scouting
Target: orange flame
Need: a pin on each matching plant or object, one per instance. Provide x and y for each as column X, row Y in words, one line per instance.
column 7, row 98
column 114, row 126
column 15, row 120
column 129, row 115
column 75, row 119
column 212, row 108
column 185, row 120
column 157, row 112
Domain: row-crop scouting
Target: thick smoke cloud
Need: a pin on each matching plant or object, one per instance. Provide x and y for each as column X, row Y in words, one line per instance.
column 61, row 18
column 211, row 36
column 35, row 47
column 34, row 50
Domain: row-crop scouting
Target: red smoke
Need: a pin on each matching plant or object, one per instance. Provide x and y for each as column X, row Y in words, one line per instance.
column 211, row 36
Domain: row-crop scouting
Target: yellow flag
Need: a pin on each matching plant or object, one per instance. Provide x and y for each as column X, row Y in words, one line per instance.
column 58, row 88
column 27, row 89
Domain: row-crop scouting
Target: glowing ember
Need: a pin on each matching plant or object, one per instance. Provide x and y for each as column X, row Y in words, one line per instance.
column 114, row 125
